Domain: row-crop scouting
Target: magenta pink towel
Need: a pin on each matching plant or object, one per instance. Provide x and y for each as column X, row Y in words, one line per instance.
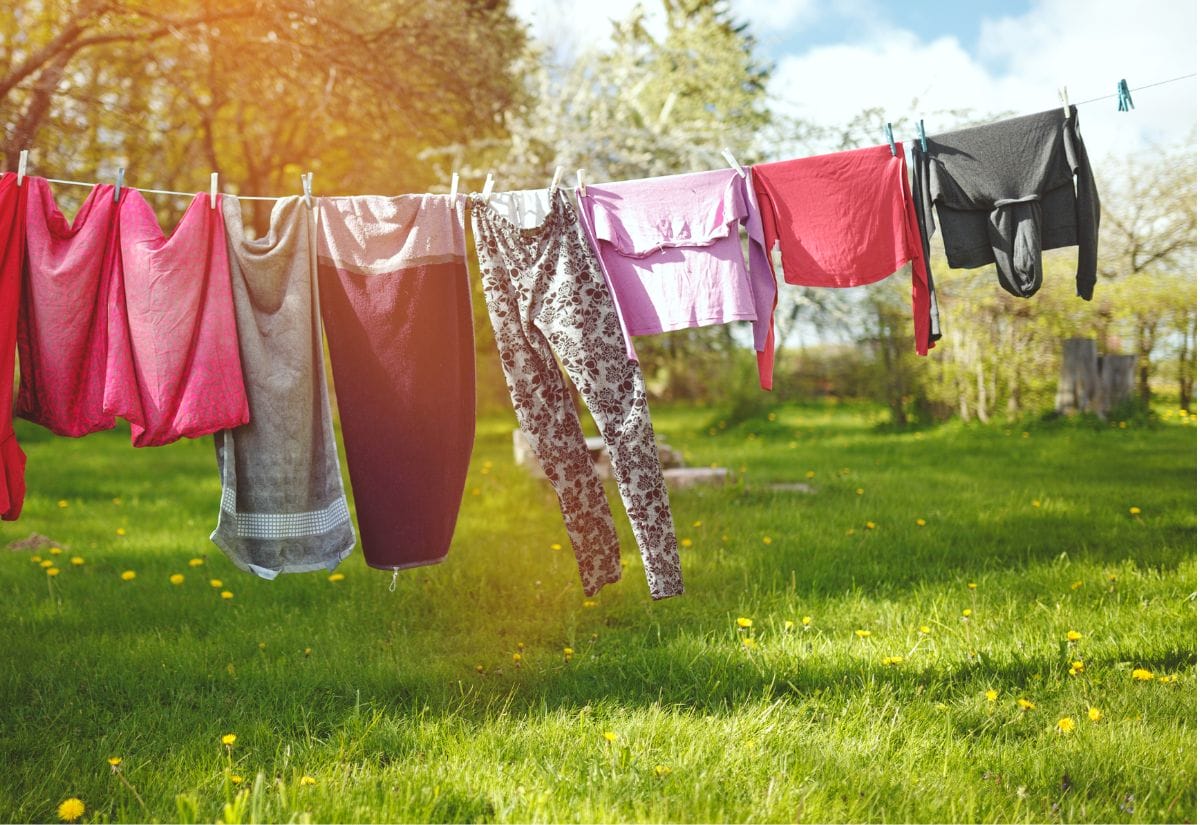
column 173, row 367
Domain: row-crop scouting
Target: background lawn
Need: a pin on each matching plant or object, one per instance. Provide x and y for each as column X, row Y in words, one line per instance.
column 353, row 703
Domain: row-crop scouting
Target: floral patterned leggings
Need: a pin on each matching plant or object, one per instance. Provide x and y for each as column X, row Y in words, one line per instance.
column 546, row 296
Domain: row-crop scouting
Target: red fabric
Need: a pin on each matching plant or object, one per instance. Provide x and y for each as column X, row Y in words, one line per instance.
column 845, row 219
column 63, row 329
column 12, row 253
column 173, row 367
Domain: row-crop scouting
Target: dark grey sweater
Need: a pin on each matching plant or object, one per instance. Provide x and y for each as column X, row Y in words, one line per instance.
column 1005, row 191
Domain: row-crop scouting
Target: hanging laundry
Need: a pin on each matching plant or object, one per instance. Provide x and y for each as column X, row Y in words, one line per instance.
column 846, row 219
column 62, row 332
column 396, row 303
column 671, row 253
column 283, row 507
column 173, row 367
column 546, row 296
column 1006, row 191
column 12, row 256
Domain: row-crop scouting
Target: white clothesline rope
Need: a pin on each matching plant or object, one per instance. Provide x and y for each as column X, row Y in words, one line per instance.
column 271, row 198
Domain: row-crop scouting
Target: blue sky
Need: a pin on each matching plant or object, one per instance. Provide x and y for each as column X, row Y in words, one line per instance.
column 834, row 59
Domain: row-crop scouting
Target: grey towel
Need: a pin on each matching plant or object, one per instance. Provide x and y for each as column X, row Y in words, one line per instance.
column 1006, row 191
column 283, row 507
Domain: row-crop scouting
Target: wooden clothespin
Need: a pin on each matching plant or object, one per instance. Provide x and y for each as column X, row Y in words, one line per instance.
column 1066, row 102
column 212, row 191
column 306, row 185
column 454, row 186
column 890, row 138
column 921, row 130
column 579, row 180
column 120, row 183
column 732, row 161
column 487, row 187
column 23, row 163
column 558, row 170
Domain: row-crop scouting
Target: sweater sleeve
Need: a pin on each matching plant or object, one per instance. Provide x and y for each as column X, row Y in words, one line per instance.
column 922, row 207
column 762, row 284
column 1087, row 208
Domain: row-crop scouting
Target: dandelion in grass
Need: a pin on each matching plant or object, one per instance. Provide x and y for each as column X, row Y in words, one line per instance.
column 1035, row 503
column 924, row 630
column 743, row 622
column 870, row 525
column 1076, row 668
column 308, row 651
column 226, row 595
column 262, row 645
column 120, row 531
column 336, row 577
column 609, row 736
column 1076, row 585
column 863, row 634
column 556, row 546
column 967, row 613
column 589, row 603
column 1095, row 714
column 1074, row 635
column 216, row 584
column 851, row 532
column 52, row 571
column 176, row 579
column 197, row 562
column 788, row 624
column 696, row 523
column 806, row 621
column 1065, row 725
column 1112, row 577
column 77, row 561
column 1135, row 511
column 811, row 474
column 115, row 763
column 520, row 645
column 36, row 559
column 920, row 522
column 517, row 658
column 479, row 668
column 128, row 576
column 992, row 695
column 56, row 551
column 307, row 780
column 749, row 643
column 236, row 779
column 568, row 652
column 858, row 491
column 685, row 543
column 63, row 503
column 228, row 739
column 71, row 809
column 662, row 770
column 1169, row 680
column 892, row 660
column 972, row 585
column 46, row 563
column 1024, row 704
column 767, row 539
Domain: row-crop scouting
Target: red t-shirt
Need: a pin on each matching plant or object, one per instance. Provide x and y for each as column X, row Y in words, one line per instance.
column 845, row 219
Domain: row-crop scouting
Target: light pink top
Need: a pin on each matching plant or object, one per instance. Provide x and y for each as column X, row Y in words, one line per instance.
column 672, row 255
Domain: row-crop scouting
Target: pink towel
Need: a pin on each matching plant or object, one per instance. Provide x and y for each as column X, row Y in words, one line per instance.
column 173, row 368
column 62, row 331
column 12, row 255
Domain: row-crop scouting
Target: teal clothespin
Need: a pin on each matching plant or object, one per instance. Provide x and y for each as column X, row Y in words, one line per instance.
column 921, row 129
column 1124, row 99
column 891, row 139
column 120, row 183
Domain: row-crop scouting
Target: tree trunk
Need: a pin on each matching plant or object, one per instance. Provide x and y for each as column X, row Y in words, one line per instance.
column 1116, row 380
column 981, row 402
column 1079, row 379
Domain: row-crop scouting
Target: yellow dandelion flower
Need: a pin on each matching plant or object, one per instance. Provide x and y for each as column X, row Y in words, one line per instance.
column 992, row 695
column 1076, row 668
column 114, row 760
column 1074, row 635
column 1066, row 724
column 788, row 624
column 262, row 645
column 662, row 770
column 568, row 652
column 52, row 571
column 685, row 543
column 811, row 474
column 517, row 658
column 47, row 563
column 35, row 559
column 56, row 551
column 1036, row 503
column 743, row 622
column 120, row 531
column 892, row 660
column 859, row 491
column 226, row 595
column 479, row 668
column 971, row 585
column 128, row 576
column 1076, row 585
column 806, row 620
column 697, row 523
column 920, row 522
column 176, row 578
column 307, row 780
column 77, row 561
column 924, row 630
column 195, row 562
column 767, row 539
column 216, row 583
column 610, row 736
column 870, row 525
column 71, row 809
column 749, row 643
column 1135, row 511
column 862, row 634
column 556, row 546
column 1095, row 714
column 589, row 603
column 1112, row 577
column 337, row 577
column 967, row 612
column 520, row 645
column 1025, row 704
column 63, row 503
column 228, row 739
column 1166, row 680
column 236, row 779
column 308, row 651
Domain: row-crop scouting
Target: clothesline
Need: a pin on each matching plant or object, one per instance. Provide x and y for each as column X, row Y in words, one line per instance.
column 271, row 198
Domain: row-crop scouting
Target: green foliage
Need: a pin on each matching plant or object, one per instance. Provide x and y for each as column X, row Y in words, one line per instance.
column 375, row 695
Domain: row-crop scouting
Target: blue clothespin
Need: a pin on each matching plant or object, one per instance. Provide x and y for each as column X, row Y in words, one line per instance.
column 1124, row 99
column 891, row 139
column 120, row 183
column 921, row 129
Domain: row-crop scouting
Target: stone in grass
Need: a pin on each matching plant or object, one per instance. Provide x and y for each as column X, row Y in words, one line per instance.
column 523, row 455
column 679, row 478
column 791, row 487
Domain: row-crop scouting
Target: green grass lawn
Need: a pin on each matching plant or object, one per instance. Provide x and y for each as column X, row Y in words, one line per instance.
column 353, row 703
